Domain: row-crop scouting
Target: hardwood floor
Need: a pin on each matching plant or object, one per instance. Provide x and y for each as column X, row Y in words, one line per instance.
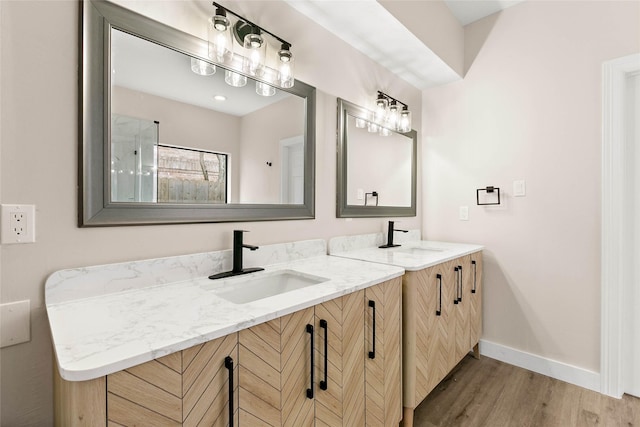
column 489, row 393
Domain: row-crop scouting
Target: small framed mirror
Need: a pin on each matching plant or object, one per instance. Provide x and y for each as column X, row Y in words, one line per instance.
column 376, row 167
column 169, row 136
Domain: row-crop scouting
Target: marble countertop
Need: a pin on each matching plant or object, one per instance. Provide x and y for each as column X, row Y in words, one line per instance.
column 411, row 255
column 104, row 333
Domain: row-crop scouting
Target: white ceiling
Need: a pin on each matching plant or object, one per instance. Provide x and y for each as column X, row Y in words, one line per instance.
column 468, row 11
column 358, row 23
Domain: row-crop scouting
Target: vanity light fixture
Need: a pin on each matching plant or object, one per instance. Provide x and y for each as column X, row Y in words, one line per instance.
column 254, row 57
column 390, row 117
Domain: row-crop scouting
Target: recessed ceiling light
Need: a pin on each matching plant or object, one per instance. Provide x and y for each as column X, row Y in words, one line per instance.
column 220, row 97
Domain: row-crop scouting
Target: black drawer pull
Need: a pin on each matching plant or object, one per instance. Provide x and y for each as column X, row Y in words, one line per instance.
column 460, row 283
column 456, row 299
column 475, row 272
column 310, row 389
column 324, row 383
column 228, row 363
column 372, row 353
column 439, row 310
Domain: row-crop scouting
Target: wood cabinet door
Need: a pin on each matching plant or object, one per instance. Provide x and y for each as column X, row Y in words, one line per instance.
column 383, row 357
column 462, row 309
column 435, row 327
column 339, row 362
column 475, row 298
column 275, row 372
column 188, row 388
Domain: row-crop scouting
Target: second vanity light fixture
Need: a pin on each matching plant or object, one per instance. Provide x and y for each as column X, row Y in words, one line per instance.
column 254, row 61
column 389, row 116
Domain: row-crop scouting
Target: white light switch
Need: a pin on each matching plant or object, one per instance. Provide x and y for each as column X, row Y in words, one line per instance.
column 15, row 323
column 519, row 189
column 463, row 213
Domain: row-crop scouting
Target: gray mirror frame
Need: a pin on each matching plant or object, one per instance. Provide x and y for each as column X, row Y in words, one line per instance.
column 97, row 18
column 352, row 211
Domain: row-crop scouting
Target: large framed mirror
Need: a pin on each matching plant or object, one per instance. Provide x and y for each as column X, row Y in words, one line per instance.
column 376, row 167
column 167, row 136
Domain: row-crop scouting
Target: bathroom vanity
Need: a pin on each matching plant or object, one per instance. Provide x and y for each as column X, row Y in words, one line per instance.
column 157, row 343
column 441, row 305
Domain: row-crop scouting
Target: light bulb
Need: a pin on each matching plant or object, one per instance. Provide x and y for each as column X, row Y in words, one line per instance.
column 404, row 124
column 372, row 127
column 381, row 107
column 253, row 63
column 392, row 117
column 285, row 66
column 220, row 40
column 385, row 131
column 360, row 123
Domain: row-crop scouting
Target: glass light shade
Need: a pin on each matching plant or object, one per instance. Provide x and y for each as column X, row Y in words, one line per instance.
column 404, row 124
column 381, row 108
column 220, row 40
column 385, row 131
column 286, row 64
column 265, row 89
column 392, row 116
column 234, row 79
column 360, row 123
column 253, row 62
column 202, row 68
column 372, row 127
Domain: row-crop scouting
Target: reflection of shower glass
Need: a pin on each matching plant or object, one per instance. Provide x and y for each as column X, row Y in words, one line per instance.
column 133, row 159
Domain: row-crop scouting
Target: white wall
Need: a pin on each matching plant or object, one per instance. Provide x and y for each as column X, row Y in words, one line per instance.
column 530, row 108
column 39, row 133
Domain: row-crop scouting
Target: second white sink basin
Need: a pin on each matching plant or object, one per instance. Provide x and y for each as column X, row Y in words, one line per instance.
column 257, row 286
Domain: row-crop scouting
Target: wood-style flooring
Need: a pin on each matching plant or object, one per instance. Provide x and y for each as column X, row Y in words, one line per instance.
column 489, row 393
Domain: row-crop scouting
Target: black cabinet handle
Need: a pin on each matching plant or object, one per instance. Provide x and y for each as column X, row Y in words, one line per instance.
column 439, row 310
column 460, row 283
column 456, row 299
column 228, row 363
column 372, row 353
column 475, row 272
column 310, row 389
column 323, row 325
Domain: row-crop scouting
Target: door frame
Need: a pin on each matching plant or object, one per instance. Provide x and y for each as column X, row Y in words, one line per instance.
column 285, row 144
column 615, row 272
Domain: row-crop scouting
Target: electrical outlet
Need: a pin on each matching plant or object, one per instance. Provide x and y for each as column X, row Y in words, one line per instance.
column 463, row 213
column 359, row 194
column 18, row 224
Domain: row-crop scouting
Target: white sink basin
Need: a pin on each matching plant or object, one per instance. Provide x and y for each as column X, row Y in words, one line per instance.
column 419, row 250
column 257, row 286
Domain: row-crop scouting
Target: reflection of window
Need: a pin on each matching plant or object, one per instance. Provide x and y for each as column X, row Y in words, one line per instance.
column 187, row 175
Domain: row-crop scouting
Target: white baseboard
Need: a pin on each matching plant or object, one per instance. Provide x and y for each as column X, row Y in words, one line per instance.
column 551, row 368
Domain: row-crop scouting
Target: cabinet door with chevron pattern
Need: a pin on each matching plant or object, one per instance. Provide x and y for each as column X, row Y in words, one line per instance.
column 475, row 297
column 383, row 362
column 340, row 398
column 275, row 372
column 189, row 388
column 462, row 308
column 435, row 327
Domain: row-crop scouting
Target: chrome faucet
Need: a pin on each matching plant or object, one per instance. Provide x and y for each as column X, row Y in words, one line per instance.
column 390, row 236
column 238, row 246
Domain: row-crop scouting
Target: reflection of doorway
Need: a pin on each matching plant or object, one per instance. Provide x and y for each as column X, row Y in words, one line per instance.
column 620, row 372
column 292, row 173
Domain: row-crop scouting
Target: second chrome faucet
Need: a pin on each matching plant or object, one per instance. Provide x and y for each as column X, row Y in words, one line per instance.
column 238, row 246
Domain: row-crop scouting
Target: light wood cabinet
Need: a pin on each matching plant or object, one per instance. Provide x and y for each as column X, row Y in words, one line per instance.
column 309, row 368
column 442, row 321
